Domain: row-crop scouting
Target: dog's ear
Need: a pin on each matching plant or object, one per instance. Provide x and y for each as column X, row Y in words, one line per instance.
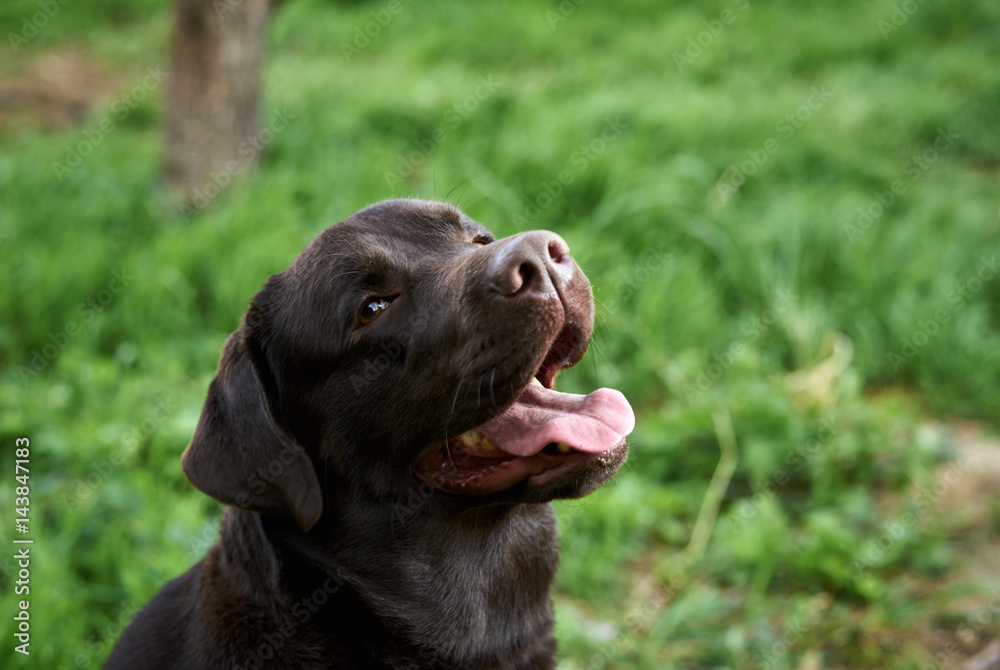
column 240, row 454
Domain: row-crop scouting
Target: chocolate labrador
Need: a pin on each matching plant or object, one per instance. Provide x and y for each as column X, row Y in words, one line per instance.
column 384, row 431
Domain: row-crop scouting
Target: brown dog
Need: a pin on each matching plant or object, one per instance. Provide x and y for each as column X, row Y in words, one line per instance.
column 384, row 430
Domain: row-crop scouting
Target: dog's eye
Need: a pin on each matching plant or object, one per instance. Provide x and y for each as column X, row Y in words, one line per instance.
column 372, row 310
column 481, row 240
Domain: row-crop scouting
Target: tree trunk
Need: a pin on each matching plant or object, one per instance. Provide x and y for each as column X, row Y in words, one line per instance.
column 212, row 95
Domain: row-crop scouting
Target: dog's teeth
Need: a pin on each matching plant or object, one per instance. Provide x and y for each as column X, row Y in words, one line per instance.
column 534, row 382
column 563, row 448
column 486, row 445
column 470, row 438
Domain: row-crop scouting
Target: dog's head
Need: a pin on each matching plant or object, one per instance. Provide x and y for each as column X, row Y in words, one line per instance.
column 407, row 344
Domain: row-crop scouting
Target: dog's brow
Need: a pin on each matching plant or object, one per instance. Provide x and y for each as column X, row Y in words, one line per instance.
column 453, row 217
column 374, row 265
column 478, row 230
column 444, row 221
column 362, row 265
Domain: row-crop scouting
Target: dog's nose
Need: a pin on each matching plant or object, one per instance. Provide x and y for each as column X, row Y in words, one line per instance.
column 536, row 262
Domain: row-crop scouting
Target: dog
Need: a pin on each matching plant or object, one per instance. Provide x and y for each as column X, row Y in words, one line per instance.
column 385, row 435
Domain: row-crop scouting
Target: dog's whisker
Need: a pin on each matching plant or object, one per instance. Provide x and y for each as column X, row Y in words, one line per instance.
column 600, row 321
column 473, row 198
column 600, row 303
column 597, row 373
column 595, row 341
column 447, row 450
column 447, row 197
column 454, row 403
column 458, row 389
column 493, row 397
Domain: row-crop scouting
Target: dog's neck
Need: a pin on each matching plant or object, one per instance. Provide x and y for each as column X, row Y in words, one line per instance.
column 478, row 581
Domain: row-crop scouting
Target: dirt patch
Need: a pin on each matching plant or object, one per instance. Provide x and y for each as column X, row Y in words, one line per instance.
column 957, row 616
column 971, row 505
column 974, row 496
column 54, row 90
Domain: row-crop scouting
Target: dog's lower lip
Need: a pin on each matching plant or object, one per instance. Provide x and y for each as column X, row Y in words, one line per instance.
column 605, row 459
column 460, row 468
column 542, row 430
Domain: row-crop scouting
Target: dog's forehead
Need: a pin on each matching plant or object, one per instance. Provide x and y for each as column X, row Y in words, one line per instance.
column 385, row 239
column 415, row 221
column 394, row 227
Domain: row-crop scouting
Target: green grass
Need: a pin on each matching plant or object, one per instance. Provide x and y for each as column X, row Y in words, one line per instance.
column 709, row 298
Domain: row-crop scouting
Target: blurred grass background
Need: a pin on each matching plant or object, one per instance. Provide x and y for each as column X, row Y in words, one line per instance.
column 857, row 358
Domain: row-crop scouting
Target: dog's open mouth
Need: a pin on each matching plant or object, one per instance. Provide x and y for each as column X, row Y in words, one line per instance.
column 544, row 436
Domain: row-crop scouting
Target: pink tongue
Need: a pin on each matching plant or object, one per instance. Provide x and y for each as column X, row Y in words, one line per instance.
column 591, row 423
